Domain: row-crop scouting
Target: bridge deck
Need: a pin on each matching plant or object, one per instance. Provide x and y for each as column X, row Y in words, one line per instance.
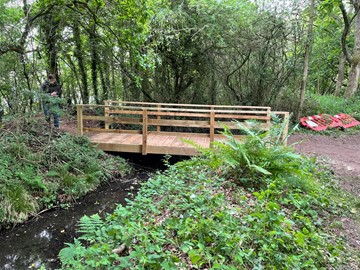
column 156, row 144
column 153, row 128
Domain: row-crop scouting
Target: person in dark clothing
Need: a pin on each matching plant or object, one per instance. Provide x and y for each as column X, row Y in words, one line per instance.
column 50, row 104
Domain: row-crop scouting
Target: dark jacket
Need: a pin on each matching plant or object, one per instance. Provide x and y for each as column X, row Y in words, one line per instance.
column 48, row 87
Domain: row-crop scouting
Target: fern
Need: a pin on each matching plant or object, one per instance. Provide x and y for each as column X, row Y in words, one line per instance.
column 71, row 254
column 89, row 227
column 253, row 160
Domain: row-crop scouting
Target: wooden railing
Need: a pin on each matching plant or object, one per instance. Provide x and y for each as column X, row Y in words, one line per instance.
column 171, row 119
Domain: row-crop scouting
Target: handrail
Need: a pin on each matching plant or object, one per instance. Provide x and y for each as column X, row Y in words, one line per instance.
column 107, row 107
column 201, row 116
column 185, row 105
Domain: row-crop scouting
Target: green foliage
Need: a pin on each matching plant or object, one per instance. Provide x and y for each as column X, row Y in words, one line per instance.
column 37, row 166
column 200, row 213
column 330, row 104
column 260, row 158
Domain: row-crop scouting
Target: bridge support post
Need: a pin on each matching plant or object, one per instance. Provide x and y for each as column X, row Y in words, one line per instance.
column 158, row 128
column 212, row 124
column 106, row 113
column 144, row 132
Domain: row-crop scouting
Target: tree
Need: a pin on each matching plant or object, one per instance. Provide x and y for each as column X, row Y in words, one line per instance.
column 354, row 60
column 308, row 44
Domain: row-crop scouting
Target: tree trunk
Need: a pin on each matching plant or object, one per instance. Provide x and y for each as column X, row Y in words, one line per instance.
column 306, row 58
column 355, row 63
column 80, row 59
column 104, row 87
column 94, row 64
column 51, row 29
column 340, row 76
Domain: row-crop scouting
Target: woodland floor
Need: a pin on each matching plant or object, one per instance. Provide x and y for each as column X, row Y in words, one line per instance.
column 340, row 151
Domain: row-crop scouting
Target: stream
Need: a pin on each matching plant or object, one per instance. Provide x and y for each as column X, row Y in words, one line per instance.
column 38, row 241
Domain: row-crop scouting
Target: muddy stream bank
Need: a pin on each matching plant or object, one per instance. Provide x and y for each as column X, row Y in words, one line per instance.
column 38, row 241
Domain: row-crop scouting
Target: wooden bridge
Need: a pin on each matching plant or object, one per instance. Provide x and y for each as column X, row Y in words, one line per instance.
column 160, row 128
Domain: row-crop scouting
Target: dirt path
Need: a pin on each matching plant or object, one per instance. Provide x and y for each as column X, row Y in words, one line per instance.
column 343, row 153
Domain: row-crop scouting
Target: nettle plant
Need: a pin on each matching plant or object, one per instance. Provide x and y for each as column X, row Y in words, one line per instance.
column 253, row 205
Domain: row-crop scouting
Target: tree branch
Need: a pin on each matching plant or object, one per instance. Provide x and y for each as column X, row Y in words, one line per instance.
column 345, row 33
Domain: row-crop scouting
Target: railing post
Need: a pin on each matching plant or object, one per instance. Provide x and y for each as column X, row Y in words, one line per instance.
column 158, row 129
column 212, row 124
column 106, row 113
column 268, row 120
column 144, row 131
column 286, row 128
column 80, row 124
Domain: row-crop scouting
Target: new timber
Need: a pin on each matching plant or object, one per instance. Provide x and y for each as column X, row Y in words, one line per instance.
column 162, row 128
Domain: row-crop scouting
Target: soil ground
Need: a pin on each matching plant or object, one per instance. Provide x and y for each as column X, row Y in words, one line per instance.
column 342, row 152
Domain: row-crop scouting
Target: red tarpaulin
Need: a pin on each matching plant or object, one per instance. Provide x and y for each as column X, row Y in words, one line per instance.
column 324, row 121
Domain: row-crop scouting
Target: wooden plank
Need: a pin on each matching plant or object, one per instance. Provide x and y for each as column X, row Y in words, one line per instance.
column 137, row 110
column 233, row 125
column 242, row 116
column 286, row 128
column 80, row 123
column 181, row 134
column 119, row 147
column 189, row 113
column 184, row 105
column 268, row 122
column 158, row 128
column 180, row 114
column 184, row 151
column 144, row 132
column 208, row 111
column 135, row 139
column 286, row 117
column 106, row 113
column 125, row 120
column 112, row 119
column 179, row 123
column 101, row 130
column 94, row 117
column 102, row 137
column 119, row 138
column 172, row 141
column 212, row 125
column 114, row 112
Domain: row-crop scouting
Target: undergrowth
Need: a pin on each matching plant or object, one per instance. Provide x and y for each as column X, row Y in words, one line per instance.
column 249, row 205
column 329, row 104
column 40, row 168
